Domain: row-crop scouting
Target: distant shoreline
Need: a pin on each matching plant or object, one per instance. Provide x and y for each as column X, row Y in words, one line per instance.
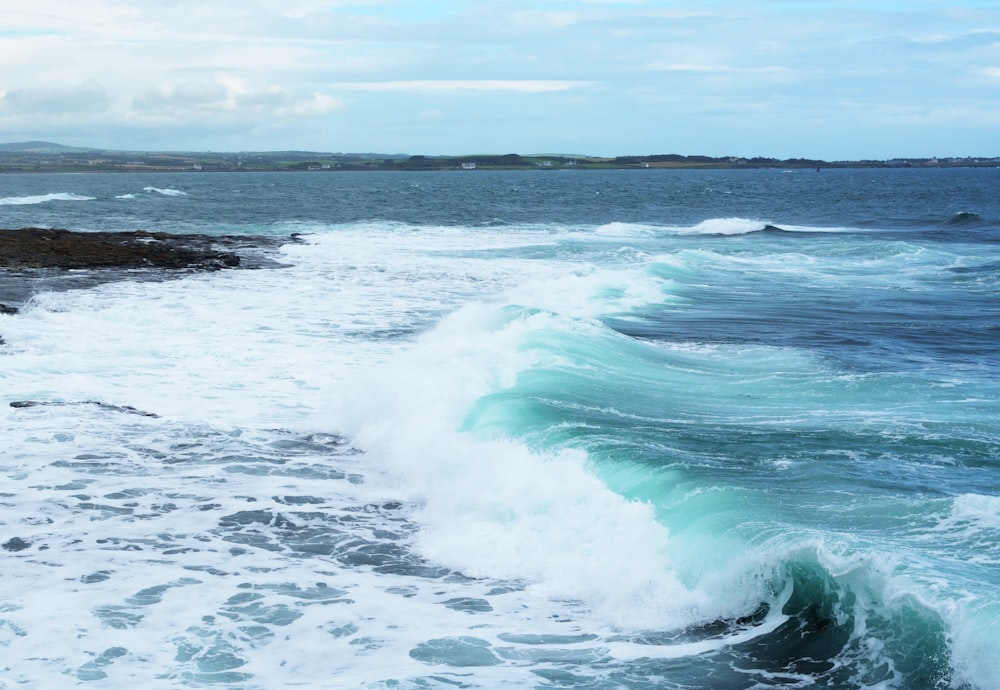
column 124, row 170
column 34, row 157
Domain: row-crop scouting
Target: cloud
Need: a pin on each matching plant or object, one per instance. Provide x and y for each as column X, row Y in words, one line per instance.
column 317, row 104
column 86, row 98
column 660, row 66
column 227, row 94
column 534, row 19
column 979, row 37
column 429, row 85
column 185, row 95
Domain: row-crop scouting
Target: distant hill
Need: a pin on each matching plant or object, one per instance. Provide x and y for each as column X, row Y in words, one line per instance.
column 40, row 147
column 50, row 147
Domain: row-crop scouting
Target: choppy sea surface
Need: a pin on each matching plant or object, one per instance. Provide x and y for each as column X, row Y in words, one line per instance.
column 554, row 429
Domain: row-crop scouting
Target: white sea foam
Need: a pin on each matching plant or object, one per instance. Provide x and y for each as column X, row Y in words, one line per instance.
column 725, row 226
column 977, row 509
column 972, row 524
column 818, row 228
column 164, row 191
column 713, row 226
column 493, row 507
column 627, row 230
column 389, row 334
column 743, row 226
column 42, row 198
column 976, row 655
column 128, row 508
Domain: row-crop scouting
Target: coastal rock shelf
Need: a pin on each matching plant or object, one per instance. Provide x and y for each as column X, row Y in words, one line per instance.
column 34, row 259
column 45, row 248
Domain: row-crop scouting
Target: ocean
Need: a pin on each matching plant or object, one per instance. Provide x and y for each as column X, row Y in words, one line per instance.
column 540, row 429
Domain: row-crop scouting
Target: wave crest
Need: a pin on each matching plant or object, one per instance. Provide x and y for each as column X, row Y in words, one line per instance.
column 728, row 226
column 42, row 198
column 965, row 218
column 164, row 191
column 712, row 226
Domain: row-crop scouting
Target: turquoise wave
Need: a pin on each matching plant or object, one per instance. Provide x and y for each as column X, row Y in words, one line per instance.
column 811, row 488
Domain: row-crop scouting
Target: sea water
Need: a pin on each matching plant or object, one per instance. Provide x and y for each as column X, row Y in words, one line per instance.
column 553, row 429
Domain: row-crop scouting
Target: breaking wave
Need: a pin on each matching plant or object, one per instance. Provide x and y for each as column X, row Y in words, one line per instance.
column 164, row 191
column 42, row 198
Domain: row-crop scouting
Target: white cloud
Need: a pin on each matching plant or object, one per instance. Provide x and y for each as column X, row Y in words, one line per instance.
column 227, row 94
column 711, row 68
column 86, row 98
column 430, row 85
column 201, row 94
column 317, row 104
column 533, row 19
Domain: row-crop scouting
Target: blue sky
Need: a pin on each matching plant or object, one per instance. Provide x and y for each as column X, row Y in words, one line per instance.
column 836, row 79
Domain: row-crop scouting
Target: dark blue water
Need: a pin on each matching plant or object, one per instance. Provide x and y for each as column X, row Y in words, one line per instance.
column 937, row 202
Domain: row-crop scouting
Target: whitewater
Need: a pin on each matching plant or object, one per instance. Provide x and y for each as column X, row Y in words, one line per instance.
column 553, row 429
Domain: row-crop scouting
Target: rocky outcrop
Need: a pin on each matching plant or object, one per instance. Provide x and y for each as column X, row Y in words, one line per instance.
column 41, row 259
column 34, row 259
column 46, row 248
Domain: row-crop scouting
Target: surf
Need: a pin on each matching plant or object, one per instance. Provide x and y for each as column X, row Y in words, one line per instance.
column 585, row 447
column 43, row 198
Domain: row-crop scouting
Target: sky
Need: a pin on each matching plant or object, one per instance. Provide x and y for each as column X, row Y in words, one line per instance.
column 829, row 79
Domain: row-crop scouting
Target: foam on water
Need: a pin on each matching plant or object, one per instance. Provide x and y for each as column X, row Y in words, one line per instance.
column 723, row 227
column 540, row 497
column 619, row 231
column 713, row 226
column 244, row 349
column 494, row 507
column 167, row 191
column 42, row 198
column 727, row 226
column 976, row 512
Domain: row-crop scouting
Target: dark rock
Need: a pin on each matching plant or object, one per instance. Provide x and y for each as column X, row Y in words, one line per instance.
column 125, row 409
column 36, row 260
column 45, row 248
column 16, row 544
